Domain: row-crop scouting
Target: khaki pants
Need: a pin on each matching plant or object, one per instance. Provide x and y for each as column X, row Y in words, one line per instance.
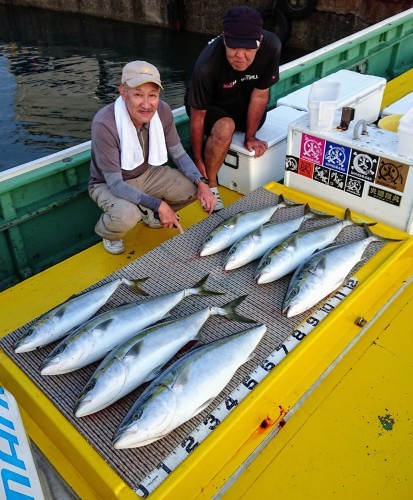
column 120, row 216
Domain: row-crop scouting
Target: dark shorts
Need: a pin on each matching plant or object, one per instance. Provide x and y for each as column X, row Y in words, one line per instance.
column 215, row 113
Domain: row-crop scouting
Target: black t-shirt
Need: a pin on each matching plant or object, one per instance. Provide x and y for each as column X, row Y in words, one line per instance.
column 215, row 82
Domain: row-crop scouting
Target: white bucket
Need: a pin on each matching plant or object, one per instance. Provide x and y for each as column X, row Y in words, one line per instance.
column 322, row 104
column 405, row 133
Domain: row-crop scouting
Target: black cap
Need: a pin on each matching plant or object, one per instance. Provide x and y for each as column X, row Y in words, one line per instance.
column 242, row 28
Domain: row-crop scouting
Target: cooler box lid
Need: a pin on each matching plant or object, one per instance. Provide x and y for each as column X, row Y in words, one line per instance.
column 399, row 107
column 354, row 87
column 274, row 130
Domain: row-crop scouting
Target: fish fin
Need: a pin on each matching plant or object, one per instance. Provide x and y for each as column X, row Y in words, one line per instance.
column 183, row 376
column 59, row 313
column 309, row 213
column 202, row 407
column 135, row 285
column 154, row 373
column 377, row 236
column 204, row 291
column 285, row 204
column 192, row 345
column 135, row 349
column 251, row 356
column 228, row 310
column 105, row 324
column 347, row 216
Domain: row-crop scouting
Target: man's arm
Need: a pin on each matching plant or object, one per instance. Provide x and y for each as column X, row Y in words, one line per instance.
column 256, row 108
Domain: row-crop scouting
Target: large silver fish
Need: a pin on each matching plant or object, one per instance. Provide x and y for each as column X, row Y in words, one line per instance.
column 323, row 273
column 93, row 340
column 186, row 388
column 141, row 358
column 256, row 243
column 57, row 323
column 295, row 249
column 234, row 228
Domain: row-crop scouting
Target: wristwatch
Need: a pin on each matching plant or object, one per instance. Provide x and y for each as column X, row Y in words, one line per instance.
column 200, row 179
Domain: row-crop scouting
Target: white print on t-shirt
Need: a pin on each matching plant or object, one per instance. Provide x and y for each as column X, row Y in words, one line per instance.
column 249, row 77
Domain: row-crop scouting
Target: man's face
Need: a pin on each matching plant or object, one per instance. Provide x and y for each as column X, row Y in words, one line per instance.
column 141, row 102
column 240, row 59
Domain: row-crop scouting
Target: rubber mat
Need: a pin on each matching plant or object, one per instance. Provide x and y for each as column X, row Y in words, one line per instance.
column 173, row 266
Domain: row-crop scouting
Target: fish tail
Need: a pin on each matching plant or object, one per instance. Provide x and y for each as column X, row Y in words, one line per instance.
column 283, row 203
column 200, row 289
column 310, row 214
column 135, row 285
column 347, row 216
column 377, row 237
column 228, row 310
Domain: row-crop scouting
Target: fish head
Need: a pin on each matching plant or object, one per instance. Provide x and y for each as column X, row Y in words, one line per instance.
column 274, row 265
column 31, row 339
column 102, row 390
column 216, row 241
column 148, row 420
column 300, row 293
column 239, row 254
column 62, row 359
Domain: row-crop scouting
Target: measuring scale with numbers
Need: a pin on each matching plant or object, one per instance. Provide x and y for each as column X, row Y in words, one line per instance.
column 360, row 167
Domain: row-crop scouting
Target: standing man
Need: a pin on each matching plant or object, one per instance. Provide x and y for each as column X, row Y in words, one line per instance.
column 229, row 90
column 129, row 181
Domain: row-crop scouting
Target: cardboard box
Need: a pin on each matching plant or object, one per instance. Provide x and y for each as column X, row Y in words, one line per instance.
column 241, row 171
column 364, row 93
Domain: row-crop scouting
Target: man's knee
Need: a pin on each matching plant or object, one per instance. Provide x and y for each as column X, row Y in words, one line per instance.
column 127, row 215
column 223, row 129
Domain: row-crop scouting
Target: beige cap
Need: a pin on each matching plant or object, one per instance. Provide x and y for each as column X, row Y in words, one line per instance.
column 137, row 73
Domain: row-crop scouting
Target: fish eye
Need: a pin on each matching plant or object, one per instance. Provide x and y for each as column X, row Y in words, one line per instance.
column 209, row 239
column 294, row 292
column 231, row 251
column 137, row 415
column 60, row 349
column 90, row 385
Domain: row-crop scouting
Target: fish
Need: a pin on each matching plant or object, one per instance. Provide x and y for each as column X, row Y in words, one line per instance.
column 323, row 273
column 94, row 339
column 285, row 257
column 257, row 242
column 234, row 228
column 59, row 321
column 185, row 388
column 142, row 358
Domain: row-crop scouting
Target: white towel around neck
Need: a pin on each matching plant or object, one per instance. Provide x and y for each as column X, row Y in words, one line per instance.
column 130, row 147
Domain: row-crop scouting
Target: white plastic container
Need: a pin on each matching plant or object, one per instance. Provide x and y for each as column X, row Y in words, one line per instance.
column 241, row 171
column 364, row 93
column 405, row 134
column 399, row 107
column 322, row 104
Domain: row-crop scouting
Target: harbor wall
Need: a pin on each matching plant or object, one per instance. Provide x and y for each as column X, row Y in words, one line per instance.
column 331, row 21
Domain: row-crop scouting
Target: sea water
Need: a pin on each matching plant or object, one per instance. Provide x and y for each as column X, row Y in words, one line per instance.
column 58, row 69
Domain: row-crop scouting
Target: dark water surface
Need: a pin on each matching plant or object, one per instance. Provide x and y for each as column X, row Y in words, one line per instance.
column 58, row 69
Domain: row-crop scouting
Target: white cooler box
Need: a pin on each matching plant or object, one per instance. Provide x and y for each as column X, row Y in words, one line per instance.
column 366, row 173
column 362, row 92
column 241, row 171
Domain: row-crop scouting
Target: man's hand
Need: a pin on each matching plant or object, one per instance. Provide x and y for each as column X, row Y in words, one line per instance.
column 254, row 144
column 169, row 219
column 206, row 197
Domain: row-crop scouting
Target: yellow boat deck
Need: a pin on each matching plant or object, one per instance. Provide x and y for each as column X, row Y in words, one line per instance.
column 347, row 431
